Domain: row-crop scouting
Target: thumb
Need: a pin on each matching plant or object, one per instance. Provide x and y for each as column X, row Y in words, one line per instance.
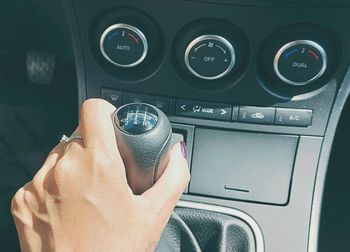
column 166, row 192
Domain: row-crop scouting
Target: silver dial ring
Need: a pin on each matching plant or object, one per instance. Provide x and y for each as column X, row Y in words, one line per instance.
column 216, row 38
column 294, row 43
column 131, row 28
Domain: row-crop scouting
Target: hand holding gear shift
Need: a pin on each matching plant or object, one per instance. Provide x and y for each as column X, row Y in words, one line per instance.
column 144, row 137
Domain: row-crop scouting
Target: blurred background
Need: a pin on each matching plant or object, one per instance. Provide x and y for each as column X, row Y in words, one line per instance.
column 34, row 110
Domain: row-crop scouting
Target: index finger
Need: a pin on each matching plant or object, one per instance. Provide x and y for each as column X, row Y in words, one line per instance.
column 96, row 124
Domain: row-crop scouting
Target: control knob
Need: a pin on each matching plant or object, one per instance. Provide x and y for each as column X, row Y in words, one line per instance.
column 300, row 62
column 123, row 45
column 210, row 57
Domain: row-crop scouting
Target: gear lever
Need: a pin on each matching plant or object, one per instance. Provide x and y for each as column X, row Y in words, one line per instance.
column 144, row 137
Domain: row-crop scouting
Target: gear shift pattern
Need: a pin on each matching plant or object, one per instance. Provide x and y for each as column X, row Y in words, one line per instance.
column 144, row 137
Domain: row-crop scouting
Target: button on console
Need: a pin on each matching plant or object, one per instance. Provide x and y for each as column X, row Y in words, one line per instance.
column 215, row 111
column 113, row 96
column 134, row 97
column 160, row 102
column 235, row 111
column 294, row 117
column 257, row 115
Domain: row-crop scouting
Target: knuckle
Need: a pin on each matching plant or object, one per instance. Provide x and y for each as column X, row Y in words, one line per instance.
column 93, row 105
column 100, row 166
column 62, row 168
column 89, row 102
column 17, row 201
column 63, row 163
column 88, row 106
column 37, row 181
column 22, row 201
column 28, row 198
column 99, row 159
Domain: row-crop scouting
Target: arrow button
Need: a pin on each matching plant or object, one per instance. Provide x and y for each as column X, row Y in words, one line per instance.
column 205, row 110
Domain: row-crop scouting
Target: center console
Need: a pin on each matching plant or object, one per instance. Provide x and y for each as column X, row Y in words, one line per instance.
column 255, row 88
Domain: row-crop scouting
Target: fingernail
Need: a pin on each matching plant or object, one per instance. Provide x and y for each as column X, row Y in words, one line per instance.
column 183, row 149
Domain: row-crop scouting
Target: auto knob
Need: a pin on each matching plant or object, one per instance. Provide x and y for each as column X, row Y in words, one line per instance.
column 144, row 137
column 124, row 45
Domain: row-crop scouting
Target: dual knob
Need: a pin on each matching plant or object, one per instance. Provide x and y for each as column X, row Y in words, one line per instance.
column 212, row 57
column 300, row 62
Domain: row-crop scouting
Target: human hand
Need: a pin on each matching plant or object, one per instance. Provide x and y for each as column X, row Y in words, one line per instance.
column 80, row 200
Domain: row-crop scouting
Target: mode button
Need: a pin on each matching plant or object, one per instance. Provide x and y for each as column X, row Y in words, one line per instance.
column 205, row 110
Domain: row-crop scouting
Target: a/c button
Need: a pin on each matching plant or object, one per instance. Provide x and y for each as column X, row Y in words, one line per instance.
column 293, row 117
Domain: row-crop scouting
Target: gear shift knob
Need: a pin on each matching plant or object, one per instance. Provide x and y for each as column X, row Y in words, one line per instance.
column 144, row 137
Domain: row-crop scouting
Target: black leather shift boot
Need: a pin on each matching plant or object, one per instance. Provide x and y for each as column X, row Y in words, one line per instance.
column 199, row 230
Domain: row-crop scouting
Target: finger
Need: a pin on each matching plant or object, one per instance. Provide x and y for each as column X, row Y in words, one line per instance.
column 76, row 144
column 55, row 154
column 170, row 186
column 96, row 124
column 50, row 162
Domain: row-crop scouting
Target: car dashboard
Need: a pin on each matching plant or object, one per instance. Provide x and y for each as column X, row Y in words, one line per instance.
column 255, row 88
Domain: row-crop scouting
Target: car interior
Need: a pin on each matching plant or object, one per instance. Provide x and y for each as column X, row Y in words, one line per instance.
column 258, row 90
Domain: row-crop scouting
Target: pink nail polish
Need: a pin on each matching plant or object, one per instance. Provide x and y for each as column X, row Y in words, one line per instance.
column 183, row 149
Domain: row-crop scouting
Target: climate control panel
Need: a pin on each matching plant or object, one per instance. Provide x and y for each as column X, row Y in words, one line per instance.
column 215, row 111
column 214, row 55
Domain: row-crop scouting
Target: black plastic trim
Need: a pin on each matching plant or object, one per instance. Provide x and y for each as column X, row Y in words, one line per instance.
column 342, row 96
column 77, row 49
